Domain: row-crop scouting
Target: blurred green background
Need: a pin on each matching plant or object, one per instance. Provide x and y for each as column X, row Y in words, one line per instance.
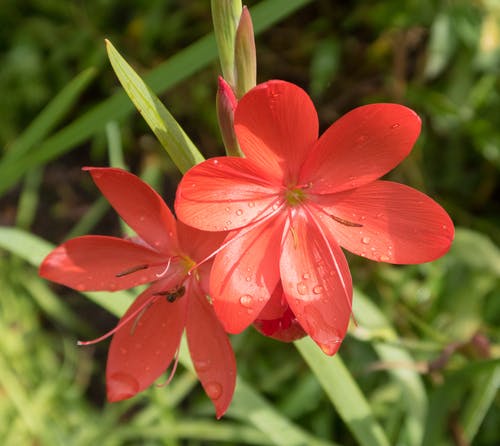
column 61, row 109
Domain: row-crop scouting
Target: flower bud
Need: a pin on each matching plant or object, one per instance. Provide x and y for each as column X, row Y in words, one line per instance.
column 245, row 59
column 226, row 103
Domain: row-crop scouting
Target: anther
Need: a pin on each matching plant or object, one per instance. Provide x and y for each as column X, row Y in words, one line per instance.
column 346, row 222
column 132, row 270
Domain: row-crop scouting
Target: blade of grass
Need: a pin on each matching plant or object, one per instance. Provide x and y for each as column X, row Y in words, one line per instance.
column 344, row 393
column 50, row 116
column 370, row 317
column 163, row 77
column 174, row 140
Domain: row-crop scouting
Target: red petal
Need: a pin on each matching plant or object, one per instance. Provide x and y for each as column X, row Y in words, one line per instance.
column 224, row 193
column 399, row 224
column 276, row 125
column 198, row 244
column 144, row 347
column 139, row 206
column 285, row 329
column 275, row 306
column 245, row 273
column 317, row 282
column 360, row 147
column 211, row 351
column 92, row 263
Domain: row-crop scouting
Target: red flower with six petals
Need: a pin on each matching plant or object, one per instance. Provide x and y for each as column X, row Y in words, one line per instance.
column 148, row 335
column 295, row 199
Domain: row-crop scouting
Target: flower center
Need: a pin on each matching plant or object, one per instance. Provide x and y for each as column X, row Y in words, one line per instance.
column 295, row 196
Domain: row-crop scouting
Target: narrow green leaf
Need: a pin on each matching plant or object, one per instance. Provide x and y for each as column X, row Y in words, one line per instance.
column 371, row 318
column 174, row 140
column 50, row 116
column 344, row 393
column 225, row 16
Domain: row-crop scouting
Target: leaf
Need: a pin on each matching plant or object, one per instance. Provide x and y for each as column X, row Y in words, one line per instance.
column 174, row 140
column 344, row 393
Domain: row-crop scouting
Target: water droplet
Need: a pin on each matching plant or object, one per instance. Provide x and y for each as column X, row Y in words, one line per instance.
column 275, row 206
column 395, row 126
column 215, row 161
column 229, row 222
column 239, row 212
column 251, row 204
column 147, row 368
column 142, row 218
column 362, row 218
column 444, row 227
column 213, row 390
column 318, row 289
column 246, row 301
column 202, row 365
column 228, row 209
column 383, row 258
column 121, row 386
column 366, row 240
column 80, row 287
column 123, row 350
column 305, row 276
column 301, row 288
column 248, row 278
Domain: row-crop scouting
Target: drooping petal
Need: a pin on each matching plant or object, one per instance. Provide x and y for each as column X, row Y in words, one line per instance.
column 395, row 223
column 286, row 328
column 276, row 305
column 224, row 193
column 139, row 206
column 316, row 281
column 211, row 351
column 276, row 125
column 142, row 349
column 101, row 263
column 245, row 274
column 360, row 147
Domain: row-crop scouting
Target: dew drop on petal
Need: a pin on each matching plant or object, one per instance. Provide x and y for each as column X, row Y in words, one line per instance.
column 365, row 240
column 251, row 204
column 383, row 258
column 213, row 390
column 80, row 287
column 246, row 301
column 248, row 278
column 202, row 365
column 239, row 212
column 301, row 288
column 215, row 161
column 395, row 126
column 318, row 289
column 142, row 218
column 228, row 209
column 305, row 276
column 121, row 386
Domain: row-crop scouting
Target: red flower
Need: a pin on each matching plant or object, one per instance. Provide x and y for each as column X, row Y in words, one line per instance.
column 294, row 199
column 148, row 335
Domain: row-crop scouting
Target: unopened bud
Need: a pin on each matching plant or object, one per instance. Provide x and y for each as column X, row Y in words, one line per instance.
column 245, row 59
column 226, row 104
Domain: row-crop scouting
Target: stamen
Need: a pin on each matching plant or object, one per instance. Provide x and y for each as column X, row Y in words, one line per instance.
column 172, row 373
column 123, row 322
column 345, row 222
column 132, row 270
column 165, row 270
column 294, row 236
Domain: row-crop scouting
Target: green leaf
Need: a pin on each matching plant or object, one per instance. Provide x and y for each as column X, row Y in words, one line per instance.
column 181, row 149
column 344, row 393
column 371, row 318
column 50, row 116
